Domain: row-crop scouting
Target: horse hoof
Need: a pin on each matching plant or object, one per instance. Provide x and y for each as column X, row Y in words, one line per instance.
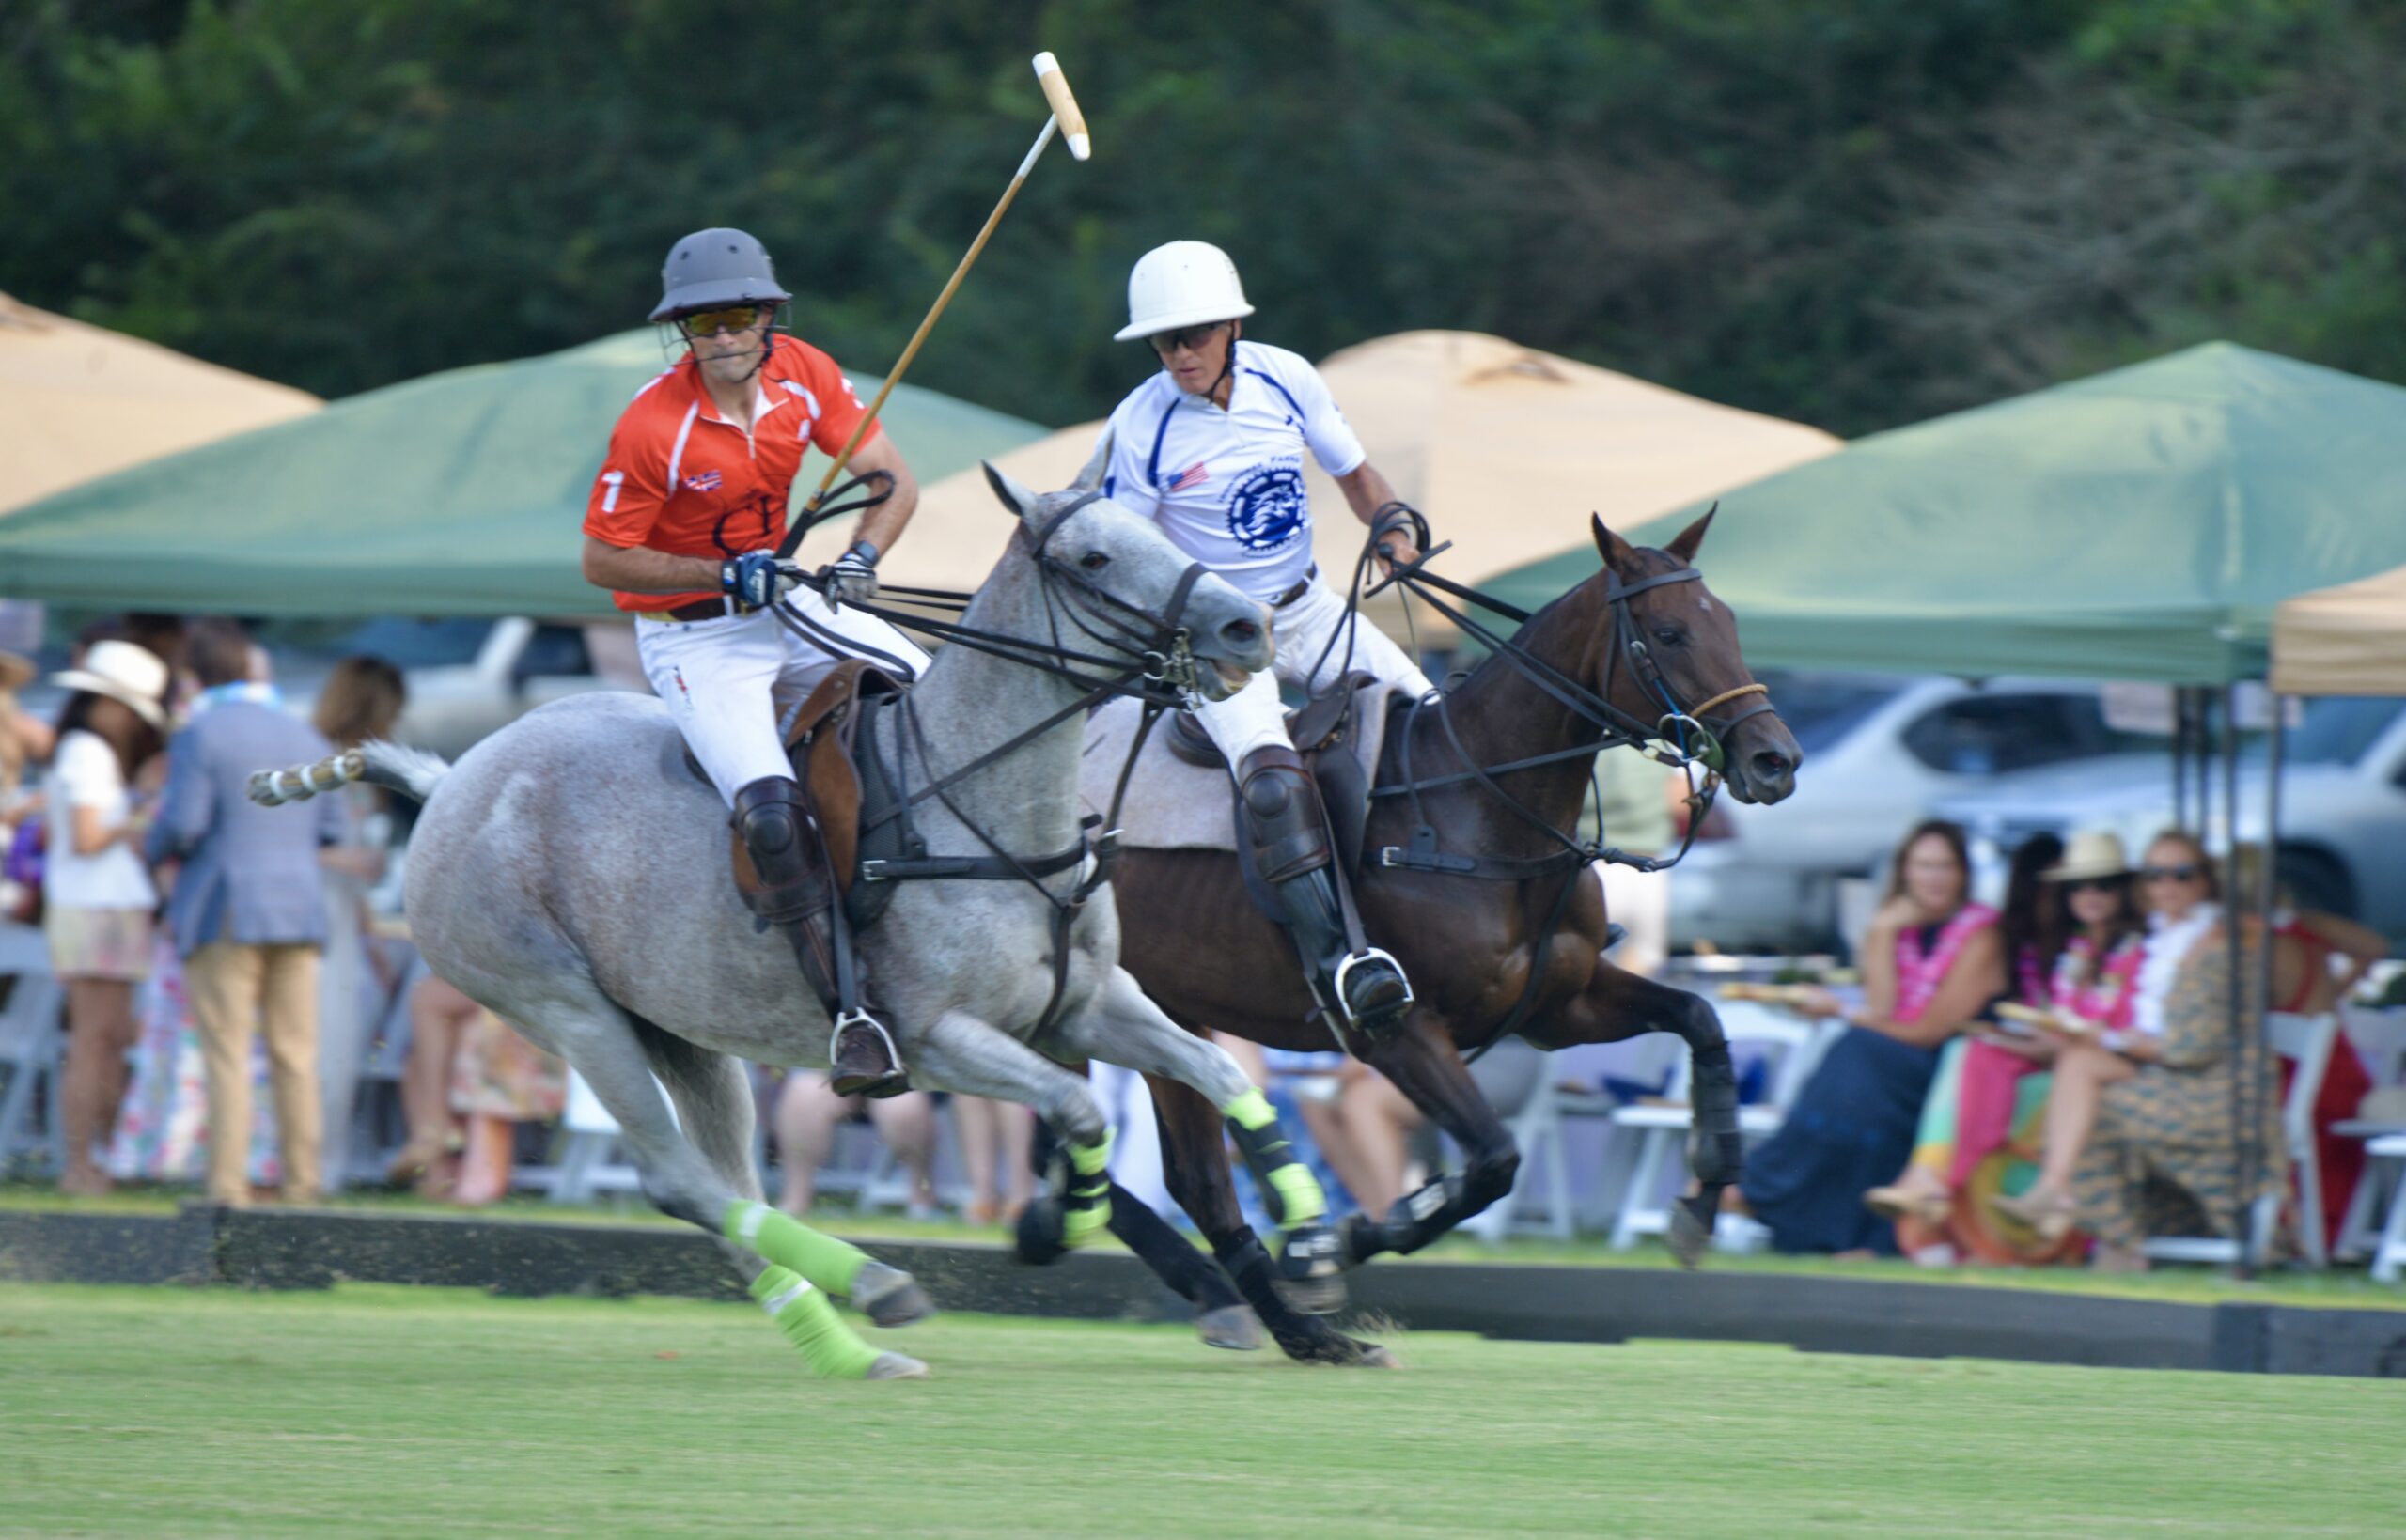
column 1379, row 1358
column 896, row 1367
column 890, row 1297
column 1041, row 1235
column 1324, row 1296
column 1691, row 1233
column 1233, row 1327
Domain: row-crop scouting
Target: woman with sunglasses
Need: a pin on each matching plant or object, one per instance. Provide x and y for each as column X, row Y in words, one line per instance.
column 1211, row 448
column 2080, row 963
column 683, row 524
column 2150, row 1101
column 1931, row 960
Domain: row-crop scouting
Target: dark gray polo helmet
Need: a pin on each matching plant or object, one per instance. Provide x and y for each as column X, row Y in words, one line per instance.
column 714, row 268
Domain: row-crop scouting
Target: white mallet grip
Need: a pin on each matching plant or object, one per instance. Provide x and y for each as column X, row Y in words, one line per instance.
column 1065, row 106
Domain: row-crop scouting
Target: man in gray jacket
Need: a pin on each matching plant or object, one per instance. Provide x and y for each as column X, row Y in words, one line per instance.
column 247, row 912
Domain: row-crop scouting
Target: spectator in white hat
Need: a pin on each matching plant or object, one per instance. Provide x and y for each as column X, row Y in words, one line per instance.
column 97, row 895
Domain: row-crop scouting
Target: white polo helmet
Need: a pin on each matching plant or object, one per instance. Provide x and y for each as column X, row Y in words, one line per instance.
column 1186, row 283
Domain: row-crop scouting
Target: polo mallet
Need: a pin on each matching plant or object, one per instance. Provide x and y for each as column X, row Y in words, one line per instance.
column 1072, row 126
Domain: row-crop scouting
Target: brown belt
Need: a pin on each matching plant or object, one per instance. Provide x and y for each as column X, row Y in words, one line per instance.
column 701, row 609
column 1298, row 591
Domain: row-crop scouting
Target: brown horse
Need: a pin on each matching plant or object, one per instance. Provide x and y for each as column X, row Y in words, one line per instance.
column 1642, row 636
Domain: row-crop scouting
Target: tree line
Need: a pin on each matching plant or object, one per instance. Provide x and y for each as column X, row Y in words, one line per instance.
column 1852, row 212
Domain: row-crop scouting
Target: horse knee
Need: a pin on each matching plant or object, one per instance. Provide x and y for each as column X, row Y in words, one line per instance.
column 1078, row 1115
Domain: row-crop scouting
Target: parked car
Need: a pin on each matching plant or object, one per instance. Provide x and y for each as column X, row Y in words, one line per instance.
column 2342, row 814
column 1878, row 749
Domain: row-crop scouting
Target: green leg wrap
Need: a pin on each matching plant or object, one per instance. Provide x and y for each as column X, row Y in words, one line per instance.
column 1287, row 1185
column 774, row 1237
column 828, row 1350
column 1085, row 1208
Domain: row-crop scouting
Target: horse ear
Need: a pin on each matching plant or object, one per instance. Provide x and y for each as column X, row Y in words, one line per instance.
column 1616, row 551
column 1015, row 497
column 1691, row 537
column 1091, row 478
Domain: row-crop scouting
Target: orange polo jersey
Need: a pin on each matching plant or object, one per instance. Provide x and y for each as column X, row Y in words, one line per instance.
column 684, row 480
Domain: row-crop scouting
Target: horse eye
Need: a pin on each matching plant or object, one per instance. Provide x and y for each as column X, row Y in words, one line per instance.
column 1669, row 636
column 1094, row 561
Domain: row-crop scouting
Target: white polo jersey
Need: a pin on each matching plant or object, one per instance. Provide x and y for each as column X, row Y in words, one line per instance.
column 1227, row 486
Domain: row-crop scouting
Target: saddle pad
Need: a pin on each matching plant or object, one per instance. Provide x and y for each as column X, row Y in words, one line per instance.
column 1171, row 804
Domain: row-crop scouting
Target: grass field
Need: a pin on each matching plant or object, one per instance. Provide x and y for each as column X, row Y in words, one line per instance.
column 392, row 1412
column 2342, row 1288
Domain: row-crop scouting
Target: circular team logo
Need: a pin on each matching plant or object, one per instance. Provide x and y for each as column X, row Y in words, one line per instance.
column 1265, row 509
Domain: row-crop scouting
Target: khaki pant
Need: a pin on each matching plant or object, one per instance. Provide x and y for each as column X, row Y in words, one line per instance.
column 237, row 989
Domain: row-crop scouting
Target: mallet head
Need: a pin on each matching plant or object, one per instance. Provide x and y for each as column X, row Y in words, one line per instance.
column 1065, row 106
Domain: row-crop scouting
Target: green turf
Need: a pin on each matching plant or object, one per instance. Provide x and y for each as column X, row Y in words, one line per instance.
column 391, row 1411
column 2346, row 1287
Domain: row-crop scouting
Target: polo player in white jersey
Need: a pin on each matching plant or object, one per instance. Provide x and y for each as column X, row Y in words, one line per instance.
column 1212, row 448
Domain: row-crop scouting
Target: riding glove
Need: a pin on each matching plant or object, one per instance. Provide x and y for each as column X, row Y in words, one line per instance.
column 852, row 578
column 758, row 579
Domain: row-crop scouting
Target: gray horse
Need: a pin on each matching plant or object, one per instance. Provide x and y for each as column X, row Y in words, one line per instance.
column 569, row 874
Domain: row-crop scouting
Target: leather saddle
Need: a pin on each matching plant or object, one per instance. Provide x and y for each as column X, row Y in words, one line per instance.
column 1325, row 730
column 847, row 784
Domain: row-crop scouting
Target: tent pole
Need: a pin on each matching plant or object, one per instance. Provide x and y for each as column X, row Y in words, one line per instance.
column 2235, row 907
column 2265, row 899
column 2181, row 756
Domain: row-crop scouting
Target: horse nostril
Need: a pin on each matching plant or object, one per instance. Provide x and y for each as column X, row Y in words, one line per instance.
column 1771, row 763
column 1241, row 633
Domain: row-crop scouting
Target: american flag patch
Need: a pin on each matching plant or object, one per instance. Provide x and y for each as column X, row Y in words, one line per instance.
column 704, row 481
column 1193, row 475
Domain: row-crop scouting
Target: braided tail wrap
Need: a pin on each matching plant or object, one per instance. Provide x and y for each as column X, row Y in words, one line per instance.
column 410, row 772
column 274, row 788
column 1715, row 1149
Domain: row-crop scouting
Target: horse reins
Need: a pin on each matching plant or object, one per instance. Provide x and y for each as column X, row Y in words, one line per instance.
column 1615, row 727
column 1156, row 665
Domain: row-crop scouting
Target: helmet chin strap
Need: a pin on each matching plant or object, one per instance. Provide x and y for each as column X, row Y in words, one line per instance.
column 1227, row 360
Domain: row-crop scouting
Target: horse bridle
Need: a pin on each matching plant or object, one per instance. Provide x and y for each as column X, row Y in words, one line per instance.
column 1650, row 674
column 1155, row 662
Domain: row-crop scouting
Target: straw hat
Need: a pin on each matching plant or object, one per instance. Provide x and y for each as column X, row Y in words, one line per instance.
column 2093, row 852
column 122, row 672
column 16, row 671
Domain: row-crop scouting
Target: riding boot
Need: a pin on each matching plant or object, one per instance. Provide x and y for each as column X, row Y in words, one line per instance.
column 790, row 887
column 1287, row 829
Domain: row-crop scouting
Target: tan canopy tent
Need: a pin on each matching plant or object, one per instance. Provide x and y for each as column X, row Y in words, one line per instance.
column 2345, row 640
column 77, row 402
column 1504, row 448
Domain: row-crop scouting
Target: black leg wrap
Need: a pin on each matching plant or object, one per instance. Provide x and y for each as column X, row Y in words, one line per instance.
column 1175, row 1263
column 1715, row 1149
column 1418, row 1218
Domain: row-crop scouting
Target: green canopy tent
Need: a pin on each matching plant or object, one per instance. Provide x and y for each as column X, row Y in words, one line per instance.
column 2139, row 524
column 459, row 494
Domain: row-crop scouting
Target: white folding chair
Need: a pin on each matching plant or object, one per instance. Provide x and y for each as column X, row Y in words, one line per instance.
column 2389, row 1250
column 2379, row 1040
column 1539, row 1133
column 1788, row 1038
column 2308, row 1040
column 30, row 1043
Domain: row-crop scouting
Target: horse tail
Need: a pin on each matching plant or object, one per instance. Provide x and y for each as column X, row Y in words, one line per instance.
column 410, row 772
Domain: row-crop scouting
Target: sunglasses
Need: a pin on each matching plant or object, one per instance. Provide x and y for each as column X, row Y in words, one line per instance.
column 2169, row 873
column 1167, row 343
column 2096, row 884
column 703, row 323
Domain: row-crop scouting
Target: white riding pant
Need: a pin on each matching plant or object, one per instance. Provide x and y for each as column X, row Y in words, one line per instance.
column 729, row 681
column 1255, row 718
